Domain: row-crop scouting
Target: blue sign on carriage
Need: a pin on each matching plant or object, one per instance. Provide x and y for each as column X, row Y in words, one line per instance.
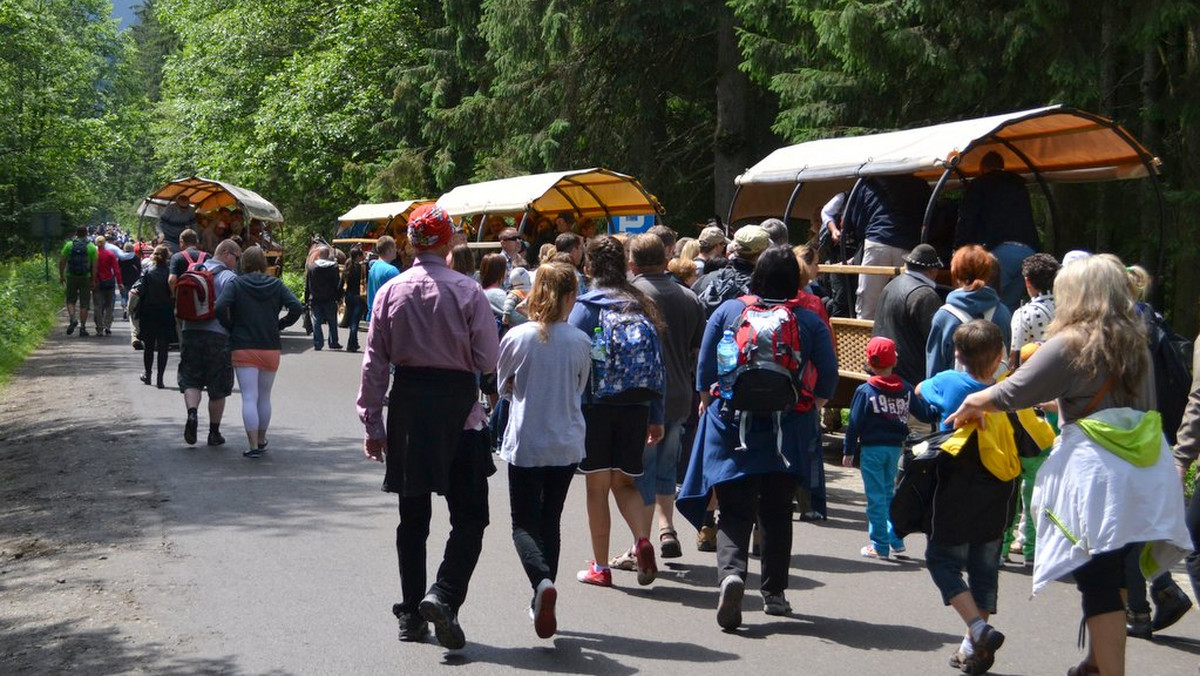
column 630, row 225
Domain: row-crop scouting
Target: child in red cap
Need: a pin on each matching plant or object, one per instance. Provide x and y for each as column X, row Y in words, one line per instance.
column 876, row 432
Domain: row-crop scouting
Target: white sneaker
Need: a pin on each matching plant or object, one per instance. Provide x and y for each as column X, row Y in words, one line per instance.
column 869, row 552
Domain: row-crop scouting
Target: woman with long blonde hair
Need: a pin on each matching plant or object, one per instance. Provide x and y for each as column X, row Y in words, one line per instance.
column 1112, row 453
column 543, row 370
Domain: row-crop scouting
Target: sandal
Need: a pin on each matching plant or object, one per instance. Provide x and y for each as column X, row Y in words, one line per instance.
column 668, row 541
column 626, row 560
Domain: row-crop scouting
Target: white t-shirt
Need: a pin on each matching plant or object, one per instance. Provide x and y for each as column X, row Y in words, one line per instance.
column 1030, row 321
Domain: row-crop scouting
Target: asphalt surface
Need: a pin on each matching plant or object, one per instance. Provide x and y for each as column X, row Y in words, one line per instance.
column 286, row 565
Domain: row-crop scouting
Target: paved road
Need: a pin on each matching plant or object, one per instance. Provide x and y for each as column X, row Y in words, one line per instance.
column 286, row 566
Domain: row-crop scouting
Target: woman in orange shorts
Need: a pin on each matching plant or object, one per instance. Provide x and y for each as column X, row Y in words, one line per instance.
column 249, row 308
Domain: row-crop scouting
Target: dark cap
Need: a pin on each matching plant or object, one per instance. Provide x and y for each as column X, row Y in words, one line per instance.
column 923, row 256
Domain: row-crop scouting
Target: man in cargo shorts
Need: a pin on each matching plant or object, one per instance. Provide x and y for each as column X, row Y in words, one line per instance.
column 77, row 272
column 204, row 354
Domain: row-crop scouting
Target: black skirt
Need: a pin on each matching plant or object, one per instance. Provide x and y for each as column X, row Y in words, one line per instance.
column 427, row 409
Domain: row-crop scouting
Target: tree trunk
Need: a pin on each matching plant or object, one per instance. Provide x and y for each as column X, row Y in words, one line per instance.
column 730, row 147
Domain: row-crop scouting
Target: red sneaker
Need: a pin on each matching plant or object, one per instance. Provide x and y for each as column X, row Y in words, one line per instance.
column 601, row 577
column 646, row 568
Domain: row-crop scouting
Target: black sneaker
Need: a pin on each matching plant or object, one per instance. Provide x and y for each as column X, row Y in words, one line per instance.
column 334, row 346
column 215, row 438
column 189, row 429
column 413, row 628
column 253, row 454
column 445, row 622
column 108, row 332
column 71, row 327
column 83, row 331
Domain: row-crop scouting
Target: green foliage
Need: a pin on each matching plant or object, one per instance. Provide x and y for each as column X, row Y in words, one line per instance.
column 64, row 99
column 28, row 306
column 294, row 279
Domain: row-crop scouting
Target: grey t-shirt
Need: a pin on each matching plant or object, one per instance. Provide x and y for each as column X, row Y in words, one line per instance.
column 544, row 382
column 1049, row 375
column 684, row 315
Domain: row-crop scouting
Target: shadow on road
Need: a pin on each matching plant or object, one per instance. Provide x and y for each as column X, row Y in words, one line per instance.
column 70, row 647
column 577, row 652
column 855, row 633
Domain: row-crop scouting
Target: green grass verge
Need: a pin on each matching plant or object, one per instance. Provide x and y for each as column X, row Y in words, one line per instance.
column 28, row 307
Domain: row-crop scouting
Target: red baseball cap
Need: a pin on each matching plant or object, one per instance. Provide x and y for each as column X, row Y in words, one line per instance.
column 881, row 352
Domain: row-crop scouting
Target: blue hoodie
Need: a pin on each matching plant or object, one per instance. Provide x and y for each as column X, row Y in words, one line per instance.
column 585, row 316
column 939, row 348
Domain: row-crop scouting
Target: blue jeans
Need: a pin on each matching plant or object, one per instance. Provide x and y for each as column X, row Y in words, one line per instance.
column 1012, row 283
column 878, row 465
column 354, row 312
column 982, row 563
column 324, row 313
column 660, row 464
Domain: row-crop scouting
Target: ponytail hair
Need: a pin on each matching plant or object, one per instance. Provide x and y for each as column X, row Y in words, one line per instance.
column 606, row 265
column 553, row 286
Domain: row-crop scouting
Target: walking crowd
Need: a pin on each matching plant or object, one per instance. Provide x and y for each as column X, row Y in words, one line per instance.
column 690, row 375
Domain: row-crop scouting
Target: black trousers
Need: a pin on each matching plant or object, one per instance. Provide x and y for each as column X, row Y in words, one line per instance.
column 536, row 495
column 467, row 500
column 767, row 498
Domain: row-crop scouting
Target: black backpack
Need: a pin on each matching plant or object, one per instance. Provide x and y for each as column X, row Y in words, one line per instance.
column 1171, row 354
column 77, row 261
column 724, row 284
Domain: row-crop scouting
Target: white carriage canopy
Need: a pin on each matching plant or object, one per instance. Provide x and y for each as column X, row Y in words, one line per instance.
column 206, row 194
column 588, row 193
column 1055, row 143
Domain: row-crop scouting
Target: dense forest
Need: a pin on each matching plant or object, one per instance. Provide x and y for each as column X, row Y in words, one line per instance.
column 322, row 104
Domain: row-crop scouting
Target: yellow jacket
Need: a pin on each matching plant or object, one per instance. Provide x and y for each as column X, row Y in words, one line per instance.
column 997, row 441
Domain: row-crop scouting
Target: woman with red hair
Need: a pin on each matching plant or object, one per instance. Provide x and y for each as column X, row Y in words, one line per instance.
column 971, row 269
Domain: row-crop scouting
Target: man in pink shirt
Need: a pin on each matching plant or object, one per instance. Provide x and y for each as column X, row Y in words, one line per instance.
column 436, row 328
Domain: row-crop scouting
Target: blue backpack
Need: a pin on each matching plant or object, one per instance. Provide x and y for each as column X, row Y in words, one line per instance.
column 632, row 371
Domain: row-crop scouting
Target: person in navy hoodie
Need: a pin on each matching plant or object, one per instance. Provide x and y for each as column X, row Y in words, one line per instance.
column 876, row 433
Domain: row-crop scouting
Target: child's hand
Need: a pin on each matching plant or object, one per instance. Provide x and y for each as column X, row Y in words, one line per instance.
column 847, row 461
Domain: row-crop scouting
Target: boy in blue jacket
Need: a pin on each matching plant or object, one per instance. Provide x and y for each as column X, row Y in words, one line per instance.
column 877, row 430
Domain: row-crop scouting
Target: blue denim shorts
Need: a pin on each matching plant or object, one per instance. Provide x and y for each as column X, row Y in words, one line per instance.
column 982, row 563
column 659, row 464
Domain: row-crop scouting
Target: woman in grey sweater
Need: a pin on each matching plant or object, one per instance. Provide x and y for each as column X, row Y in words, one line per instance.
column 544, row 367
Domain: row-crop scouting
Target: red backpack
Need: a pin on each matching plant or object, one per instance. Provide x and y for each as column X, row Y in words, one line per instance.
column 770, row 375
column 195, row 291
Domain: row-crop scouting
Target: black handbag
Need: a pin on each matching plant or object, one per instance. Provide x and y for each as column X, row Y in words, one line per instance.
column 916, row 482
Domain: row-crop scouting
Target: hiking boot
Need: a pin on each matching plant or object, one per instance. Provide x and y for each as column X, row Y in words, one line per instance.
column 445, row 622
column 668, row 543
column 71, row 327
column 1170, row 604
column 989, row 642
column 601, row 577
column 647, row 569
column 729, row 606
column 215, row 438
column 1137, row 625
column 626, row 560
column 776, row 604
column 189, row 429
column 706, row 539
column 413, row 628
column 544, row 621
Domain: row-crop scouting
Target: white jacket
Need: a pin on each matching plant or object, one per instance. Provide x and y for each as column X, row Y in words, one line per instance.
column 1088, row 500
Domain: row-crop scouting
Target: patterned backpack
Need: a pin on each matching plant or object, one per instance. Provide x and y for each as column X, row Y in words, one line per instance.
column 632, row 371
